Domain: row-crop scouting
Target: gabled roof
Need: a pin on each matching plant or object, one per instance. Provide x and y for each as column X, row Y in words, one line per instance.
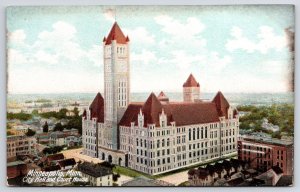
column 162, row 96
column 151, row 110
column 97, row 108
column 116, row 34
column 67, row 162
column 131, row 114
column 55, row 157
column 221, row 104
column 191, row 82
column 180, row 112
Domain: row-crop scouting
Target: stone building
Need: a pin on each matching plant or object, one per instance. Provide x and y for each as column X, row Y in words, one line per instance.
column 20, row 145
column 264, row 153
column 157, row 135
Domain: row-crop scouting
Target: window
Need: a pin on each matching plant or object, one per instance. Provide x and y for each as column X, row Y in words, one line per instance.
column 190, row 137
column 194, row 134
column 198, row 132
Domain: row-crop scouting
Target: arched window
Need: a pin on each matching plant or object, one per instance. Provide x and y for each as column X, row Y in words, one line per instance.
column 205, row 132
column 158, row 144
column 201, row 133
column 198, row 133
column 168, row 142
column 163, row 143
column 137, row 142
column 145, row 143
column 141, row 143
column 190, row 137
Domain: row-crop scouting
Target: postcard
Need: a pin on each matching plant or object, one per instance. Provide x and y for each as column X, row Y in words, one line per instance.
column 150, row 96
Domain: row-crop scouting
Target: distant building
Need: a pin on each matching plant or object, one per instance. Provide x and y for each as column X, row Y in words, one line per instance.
column 207, row 176
column 57, row 138
column 98, row 175
column 264, row 153
column 53, row 159
column 271, row 176
column 65, row 137
column 19, row 129
column 66, row 164
column 16, row 169
column 20, row 145
column 269, row 126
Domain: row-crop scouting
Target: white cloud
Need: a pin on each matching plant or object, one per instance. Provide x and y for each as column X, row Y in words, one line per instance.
column 58, row 46
column 139, row 35
column 184, row 60
column 42, row 56
column 218, row 62
column 17, row 36
column 16, row 57
column 145, row 57
column 176, row 28
column 109, row 14
column 267, row 40
column 42, row 80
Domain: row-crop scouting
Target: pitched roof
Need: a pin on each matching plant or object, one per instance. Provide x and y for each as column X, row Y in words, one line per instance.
column 67, row 162
column 131, row 114
column 180, row 112
column 151, row 110
column 162, row 96
column 97, row 108
column 191, row 82
column 56, row 157
column 116, row 34
column 221, row 104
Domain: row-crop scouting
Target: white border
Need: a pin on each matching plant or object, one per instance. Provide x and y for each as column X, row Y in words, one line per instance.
column 4, row 4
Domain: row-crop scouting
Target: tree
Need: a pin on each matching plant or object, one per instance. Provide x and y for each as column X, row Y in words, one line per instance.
column 62, row 113
column 76, row 111
column 30, row 132
column 45, row 127
column 58, row 127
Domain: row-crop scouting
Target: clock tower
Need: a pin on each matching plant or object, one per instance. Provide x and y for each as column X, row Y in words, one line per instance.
column 116, row 83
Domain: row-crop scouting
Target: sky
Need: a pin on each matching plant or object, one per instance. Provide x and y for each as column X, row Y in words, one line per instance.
column 226, row 48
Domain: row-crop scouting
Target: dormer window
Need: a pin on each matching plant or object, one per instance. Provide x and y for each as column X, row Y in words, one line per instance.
column 141, row 119
column 163, row 119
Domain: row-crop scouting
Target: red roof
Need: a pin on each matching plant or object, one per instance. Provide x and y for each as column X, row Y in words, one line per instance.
column 162, row 96
column 191, row 82
column 221, row 104
column 116, row 34
column 55, row 157
column 182, row 113
column 97, row 108
column 151, row 110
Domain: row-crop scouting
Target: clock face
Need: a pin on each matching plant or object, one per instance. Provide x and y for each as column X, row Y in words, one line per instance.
column 123, row 66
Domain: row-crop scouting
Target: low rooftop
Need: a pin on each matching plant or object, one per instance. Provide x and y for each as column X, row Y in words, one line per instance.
column 94, row 170
column 267, row 140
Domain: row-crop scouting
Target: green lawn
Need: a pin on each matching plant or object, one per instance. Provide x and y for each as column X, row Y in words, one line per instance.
column 129, row 172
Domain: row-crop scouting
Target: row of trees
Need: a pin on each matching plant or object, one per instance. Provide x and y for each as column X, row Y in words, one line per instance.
column 73, row 121
column 279, row 114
